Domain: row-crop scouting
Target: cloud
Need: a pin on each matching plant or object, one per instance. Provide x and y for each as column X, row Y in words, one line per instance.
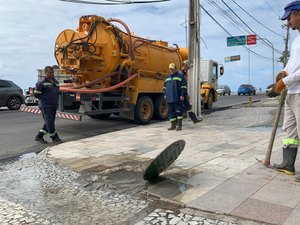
column 29, row 29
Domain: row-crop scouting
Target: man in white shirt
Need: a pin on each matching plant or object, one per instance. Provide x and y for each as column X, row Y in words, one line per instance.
column 289, row 77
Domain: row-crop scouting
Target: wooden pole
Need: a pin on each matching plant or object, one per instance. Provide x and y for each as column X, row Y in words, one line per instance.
column 267, row 160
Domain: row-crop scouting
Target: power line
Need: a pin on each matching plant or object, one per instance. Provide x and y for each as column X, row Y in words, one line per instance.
column 257, row 20
column 266, row 43
column 272, row 8
column 113, row 2
column 227, row 16
column 231, row 34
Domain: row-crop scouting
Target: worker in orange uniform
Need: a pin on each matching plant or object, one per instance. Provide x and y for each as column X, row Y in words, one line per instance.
column 186, row 103
column 175, row 91
column 290, row 77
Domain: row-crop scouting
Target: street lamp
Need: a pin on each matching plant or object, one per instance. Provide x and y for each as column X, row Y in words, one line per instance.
column 272, row 55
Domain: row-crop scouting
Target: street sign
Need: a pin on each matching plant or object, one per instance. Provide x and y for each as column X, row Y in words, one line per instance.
column 251, row 39
column 232, row 58
column 236, row 40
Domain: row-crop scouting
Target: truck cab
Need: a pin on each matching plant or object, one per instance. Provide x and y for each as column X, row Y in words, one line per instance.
column 210, row 70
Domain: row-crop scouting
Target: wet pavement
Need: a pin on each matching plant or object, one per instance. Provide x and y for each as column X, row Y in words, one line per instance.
column 215, row 180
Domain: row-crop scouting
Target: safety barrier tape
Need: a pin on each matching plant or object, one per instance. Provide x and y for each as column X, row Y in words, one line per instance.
column 58, row 114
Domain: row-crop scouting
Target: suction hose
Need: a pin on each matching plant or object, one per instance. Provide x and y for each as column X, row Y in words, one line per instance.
column 73, row 90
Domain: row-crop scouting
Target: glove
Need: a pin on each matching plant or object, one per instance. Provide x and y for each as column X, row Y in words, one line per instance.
column 272, row 93
column 280, row 75
column 279, row 86
column 276, row 89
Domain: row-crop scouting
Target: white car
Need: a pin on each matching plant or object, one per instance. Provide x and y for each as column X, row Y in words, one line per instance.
column 223, row 90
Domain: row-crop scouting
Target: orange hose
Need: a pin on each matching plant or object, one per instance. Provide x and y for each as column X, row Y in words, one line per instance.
column 130, row 50
column 63, row 89
column 95, row 81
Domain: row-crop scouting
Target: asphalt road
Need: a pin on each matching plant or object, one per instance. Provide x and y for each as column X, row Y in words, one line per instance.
column 18, row 129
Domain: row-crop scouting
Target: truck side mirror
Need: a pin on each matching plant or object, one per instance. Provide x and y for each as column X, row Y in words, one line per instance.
column 221, row 70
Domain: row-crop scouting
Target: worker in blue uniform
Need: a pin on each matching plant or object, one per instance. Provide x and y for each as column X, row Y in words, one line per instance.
column 47, row 91
column 186, row 103
column 175, row 91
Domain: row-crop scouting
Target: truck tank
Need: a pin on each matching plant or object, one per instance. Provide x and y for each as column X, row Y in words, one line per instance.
column 100, row 55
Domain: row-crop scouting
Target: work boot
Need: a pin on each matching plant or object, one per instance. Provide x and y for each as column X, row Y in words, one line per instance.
column 288, row 163
column 40, row 137
column 179, row 123
column 57, row 141
column 173, row 125
column 297, row 179
column 40, row 140
column 193, row 117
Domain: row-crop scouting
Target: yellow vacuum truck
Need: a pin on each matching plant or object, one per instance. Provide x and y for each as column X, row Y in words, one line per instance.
column 110, row 70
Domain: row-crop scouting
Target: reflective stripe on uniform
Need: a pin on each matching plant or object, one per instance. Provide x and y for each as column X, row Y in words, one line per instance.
column 47, row 84
column 180, row 117
column 291, row 141
column 37, row 92
column 43, row 131
column 173, row 119
column 177, row 78
column 52, row 134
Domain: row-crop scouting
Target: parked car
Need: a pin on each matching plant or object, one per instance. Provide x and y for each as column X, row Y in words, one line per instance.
column 223, row 90
column 246, row 89
column 30, row 100
column 11, row 95
column 269, row 88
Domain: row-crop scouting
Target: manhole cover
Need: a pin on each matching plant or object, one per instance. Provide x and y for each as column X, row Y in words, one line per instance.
column 164, row 160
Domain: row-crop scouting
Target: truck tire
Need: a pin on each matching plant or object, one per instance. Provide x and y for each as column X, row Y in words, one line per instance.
column 210, row 100
column 143, row 110
column 160, row 108
column 14, row 103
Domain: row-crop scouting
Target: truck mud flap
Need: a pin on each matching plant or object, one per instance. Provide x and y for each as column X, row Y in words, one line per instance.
column 62, row 115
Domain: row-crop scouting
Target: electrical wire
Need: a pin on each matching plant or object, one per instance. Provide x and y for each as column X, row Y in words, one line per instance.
column 248, row 49
column 263, row 40
column 113, row 2
column 272, row 8
column 227, row 16
column 257, row 20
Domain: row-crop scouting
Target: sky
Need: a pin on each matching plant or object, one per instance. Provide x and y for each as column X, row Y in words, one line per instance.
column 29, row 29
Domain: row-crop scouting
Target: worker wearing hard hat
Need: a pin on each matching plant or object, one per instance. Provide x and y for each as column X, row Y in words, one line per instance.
column 186, row 103
column 175, row 91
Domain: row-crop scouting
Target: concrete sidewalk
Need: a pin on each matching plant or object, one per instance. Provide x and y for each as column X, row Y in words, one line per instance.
column 216, row 172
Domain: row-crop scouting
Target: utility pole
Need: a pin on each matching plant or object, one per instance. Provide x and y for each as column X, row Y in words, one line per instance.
column 286, row 49
column 194, row 55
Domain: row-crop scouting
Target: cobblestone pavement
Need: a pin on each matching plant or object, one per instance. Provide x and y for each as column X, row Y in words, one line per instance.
column 36, row 190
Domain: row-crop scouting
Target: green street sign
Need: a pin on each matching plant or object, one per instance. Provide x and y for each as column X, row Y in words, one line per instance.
column 236, row 41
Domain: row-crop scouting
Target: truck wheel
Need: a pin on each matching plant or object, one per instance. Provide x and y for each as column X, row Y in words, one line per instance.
column 160, row 108
column 14, row 103
column 210, row 100
column 143, row 110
